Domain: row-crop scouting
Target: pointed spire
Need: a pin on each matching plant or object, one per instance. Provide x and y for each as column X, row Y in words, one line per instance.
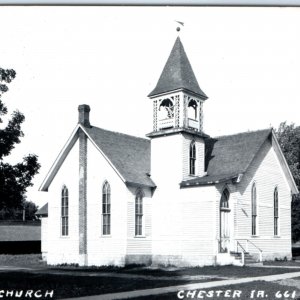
column 177, row 74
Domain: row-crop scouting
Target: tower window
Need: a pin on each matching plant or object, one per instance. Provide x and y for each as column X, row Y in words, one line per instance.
column 166, row 109
column 106, row 208
column 276, row 215
column 192, row 158
column 192, row 109
column 64, row 211
column 254, row 210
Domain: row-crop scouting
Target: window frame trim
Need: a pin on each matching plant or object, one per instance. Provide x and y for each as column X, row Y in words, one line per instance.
column 256, row 234
column 194, row 159
column 139, row 192
column 105, row 184
column 64, row 236
column 278, row 213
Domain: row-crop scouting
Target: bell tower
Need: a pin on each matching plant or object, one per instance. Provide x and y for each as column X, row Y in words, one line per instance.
column 177, row 97
column 177, row 136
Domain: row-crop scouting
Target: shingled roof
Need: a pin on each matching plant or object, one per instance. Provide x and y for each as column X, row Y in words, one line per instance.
column 228, row 156
column 43, row 211
column 130, row 155
column 177, row 74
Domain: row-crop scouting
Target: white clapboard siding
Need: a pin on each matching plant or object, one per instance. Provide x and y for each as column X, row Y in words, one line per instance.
column 64, row 249
column 103, row 249
column 44, row 236
column 139, row 245
column 266, row 172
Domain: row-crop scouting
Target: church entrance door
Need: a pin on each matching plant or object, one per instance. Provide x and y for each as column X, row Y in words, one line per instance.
column 224, row 222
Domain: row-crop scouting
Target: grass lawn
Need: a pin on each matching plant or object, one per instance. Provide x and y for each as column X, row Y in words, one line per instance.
column 289, row 263
column 22, row 260
column 83, row 281
column 219, row 271
column 271, row 290
column 75, row 286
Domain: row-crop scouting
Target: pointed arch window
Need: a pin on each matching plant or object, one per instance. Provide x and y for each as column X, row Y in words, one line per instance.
column 254, row 210
column 139, row 213
column 192, row 158
column 224, row 204
column 64, row 211
column 276, row 214
column 106, row 209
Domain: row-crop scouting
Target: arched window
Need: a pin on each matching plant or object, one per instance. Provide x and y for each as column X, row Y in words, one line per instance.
column 106, row 208
column 64, row 211
column 276, row 215
column 254, row 209
column 166, row 109
column 192, row 109
column 192, row 158
column 224, row 205
column 139, row 212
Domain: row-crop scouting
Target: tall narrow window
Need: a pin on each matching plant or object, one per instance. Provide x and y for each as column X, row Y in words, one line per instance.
column 276, row 215
column 192, row 158
column 64, row 211
column 106, row 208
column 254, row 209
column 139, row 213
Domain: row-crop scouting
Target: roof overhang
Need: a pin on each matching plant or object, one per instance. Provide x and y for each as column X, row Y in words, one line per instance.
column 64, row 153
column 59, row 160
column 284, row 165
column 136, row 184
column 211, row 180
column 177, row 130
column 202, row 97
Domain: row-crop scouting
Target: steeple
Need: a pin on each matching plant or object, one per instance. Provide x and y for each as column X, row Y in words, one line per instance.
column 177, row 139
column 177, row 74
column 177, row 97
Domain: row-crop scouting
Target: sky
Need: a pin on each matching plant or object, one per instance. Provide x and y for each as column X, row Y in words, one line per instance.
column 246, row 60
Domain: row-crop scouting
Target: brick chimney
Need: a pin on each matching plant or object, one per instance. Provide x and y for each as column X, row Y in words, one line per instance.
column 83, row 119
column 84, row 115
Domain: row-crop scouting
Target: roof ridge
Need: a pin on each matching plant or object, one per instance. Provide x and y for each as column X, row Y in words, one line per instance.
column 244, row 132
column 121, row 133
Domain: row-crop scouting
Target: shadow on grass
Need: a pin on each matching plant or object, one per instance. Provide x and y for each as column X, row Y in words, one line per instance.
column 76, row 286
column 217, row 271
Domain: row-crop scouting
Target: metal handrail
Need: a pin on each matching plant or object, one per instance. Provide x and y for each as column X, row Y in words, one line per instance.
column 239, row 244
column 260, row 250
column 243, row 251
column 248, row 241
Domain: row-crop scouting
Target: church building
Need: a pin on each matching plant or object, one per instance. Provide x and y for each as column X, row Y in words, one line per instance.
column 177, row 197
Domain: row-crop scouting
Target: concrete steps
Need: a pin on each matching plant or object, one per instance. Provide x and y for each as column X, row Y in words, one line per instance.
column 249, row 259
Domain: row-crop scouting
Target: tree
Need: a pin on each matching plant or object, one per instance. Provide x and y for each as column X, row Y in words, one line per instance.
column 17, row 214
column 289, row 141
column 14, row 179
